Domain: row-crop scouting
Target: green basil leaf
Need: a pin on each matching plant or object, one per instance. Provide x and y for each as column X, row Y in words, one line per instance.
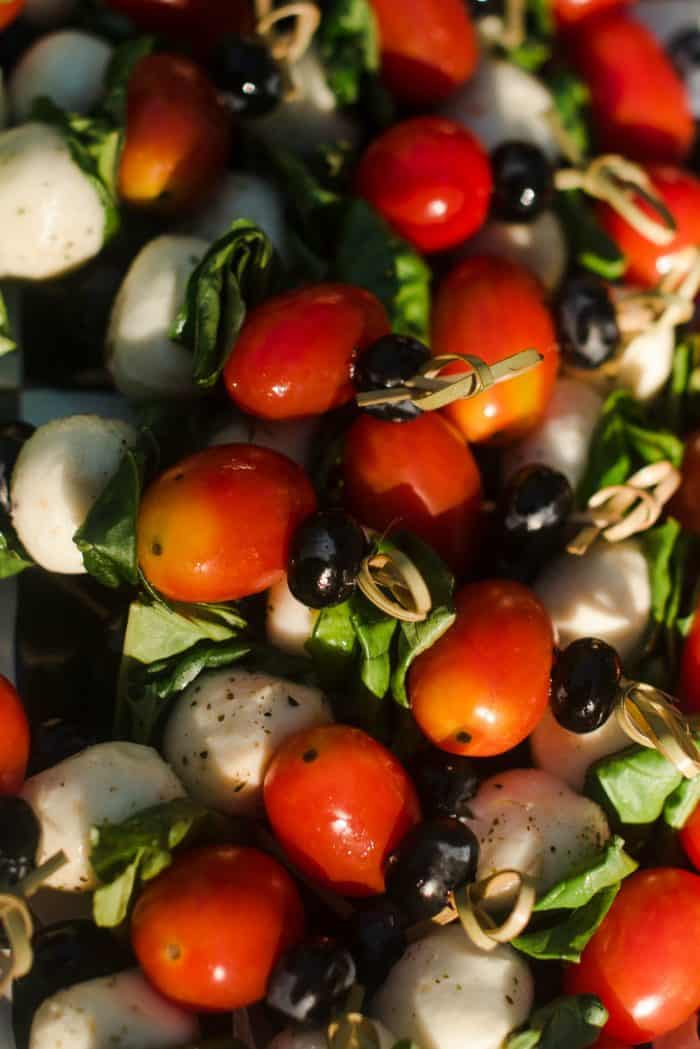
column 13, row 557
column 633, row 785
column 349, row 46
column 608, row 869
column 333, row 644
column 571, row 99
column 107, row 537
column 7, row 342
column 569, row 1022
column 682, row 802
column 235, row 274
column 374, row 631
column 590, row 245
column 679, row 406
column 566, row 939
column 122, row 64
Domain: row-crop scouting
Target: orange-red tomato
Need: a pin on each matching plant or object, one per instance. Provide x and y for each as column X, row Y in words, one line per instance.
column 339, row 802
column 417, row 475
column 569, row 13
column 647, row 262
column 9, row 10
column 14, row 739
column 431, row 180
column 483, row 687
column 689, row 688
column 429, row 47
column 491, row 308
column 639, row 103
column 295, row 353
column 208, row 930
column 218, row 525
column 199, row 23
column 690, row 838
column 177, row 136
column 686, row 502
column 644, row 960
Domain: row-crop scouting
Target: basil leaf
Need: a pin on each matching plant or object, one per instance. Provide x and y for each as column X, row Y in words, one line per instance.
column 590, row 245
column 349, row 46
column 7, row 342
column 122, row 64
column 633, row 785
column 374, row 631
column 569, row 1022
column 536, row 48
column 682, row 802
column 333, row 644
column 566, row 940
column 608, row 869
column 571, row 98
column 94, row 144
column 680, row 403
column 234, row 274
column 136, row 850
column 107, row 537
column 13, row 557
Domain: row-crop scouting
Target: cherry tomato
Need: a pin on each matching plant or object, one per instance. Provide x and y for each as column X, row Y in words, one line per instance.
column 491, row 308
column 177, row 136
column 569, row 13
column 294, row 355
column 9, row 9
column 644, row 960
column 14, row 739
column 689, row 838
column 209, row 929
column 429, row 48
column 417, row 475
column 647, row 262
column 218, row 525
column 690, row 670
column 639, row 103
column 199, row 23
column 430, row 179
column 483, row 687
column 339, row 802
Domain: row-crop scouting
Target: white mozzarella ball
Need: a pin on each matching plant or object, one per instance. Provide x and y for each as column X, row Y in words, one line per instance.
column 562, row 438
column 301, row 1038
column 226, row 726
column 48, row 12
column 123, row 1011
column 569, row 755
column 646, row 362
column 445, row 993
column 141, row 356
column 106, row 783
column 60, row 472
column 312, row 118
column 529, row 821
column 239, row 195
column 291, row 437
column 503, row 102
column 539, row 246
column 51, row 216
column 606, row 594
column 68, row 67
column 289, row 624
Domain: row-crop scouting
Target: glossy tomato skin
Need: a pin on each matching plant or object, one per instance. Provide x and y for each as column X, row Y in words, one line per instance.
column 569, row 13
column 218, row 525
column 491, row 308
column 689, row 689
column 647, row 263
column 429, row 48
column 690, row 838
column 685, row 506
column 178, row 135
column 483, row 687
column 639, row 103
column 199, row 23
column 431, row 180
column 418, row 475
column 14, row 739
column 10, row 11
column 208, row 930
column 644, row 960
column 294, row 356
column 339, row 802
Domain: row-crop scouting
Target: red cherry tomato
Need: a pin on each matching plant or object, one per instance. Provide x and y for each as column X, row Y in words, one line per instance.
column 295, row 353
column 647, row 262
column 177, row 137
column 14, row 739
column 430, row 179
column 218, row 525
column 491, row 308
column 339, row 802
column 209, row 929
column 199, row 23
column 569, row 13
column 429, row 48
column 644, row 960
column 685, row 505
column 690, row 838
column 639, row 103
column 417, row 475
column 9, row 11
column 690, row 670
column 483, row 687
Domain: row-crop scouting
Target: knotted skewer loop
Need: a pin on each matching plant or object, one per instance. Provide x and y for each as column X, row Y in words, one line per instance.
column 618, row 181
column 289, row 46
column 352, row 1030
column 507, row 30
column 428, row 390
column 392, row 582
column 475, row 904
column 17, row 921
column 650, row 717
column 612, row 512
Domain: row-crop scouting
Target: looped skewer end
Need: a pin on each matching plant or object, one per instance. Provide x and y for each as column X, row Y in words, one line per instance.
column 291, row 45
column 393, row 584
column 476, row 904
column 650, row 717
column 17, row 921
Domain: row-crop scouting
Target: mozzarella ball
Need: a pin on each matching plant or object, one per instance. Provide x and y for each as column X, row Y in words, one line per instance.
column 529, row 821
column 445, row 993
column 106, row 783
column 569, row 755
column 563, row 437
column 289, row 624
column 503, row 102
column 48, row 12
column 606, row 594
column 239, row 195
column 142, row 358
column 226, row 726
column 68, row 67
column 539, row 246
column 301, row 1038
column 291, row 437
column 60, row 472
column 123, row 1011
column 646, row 362
column 51, row 216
